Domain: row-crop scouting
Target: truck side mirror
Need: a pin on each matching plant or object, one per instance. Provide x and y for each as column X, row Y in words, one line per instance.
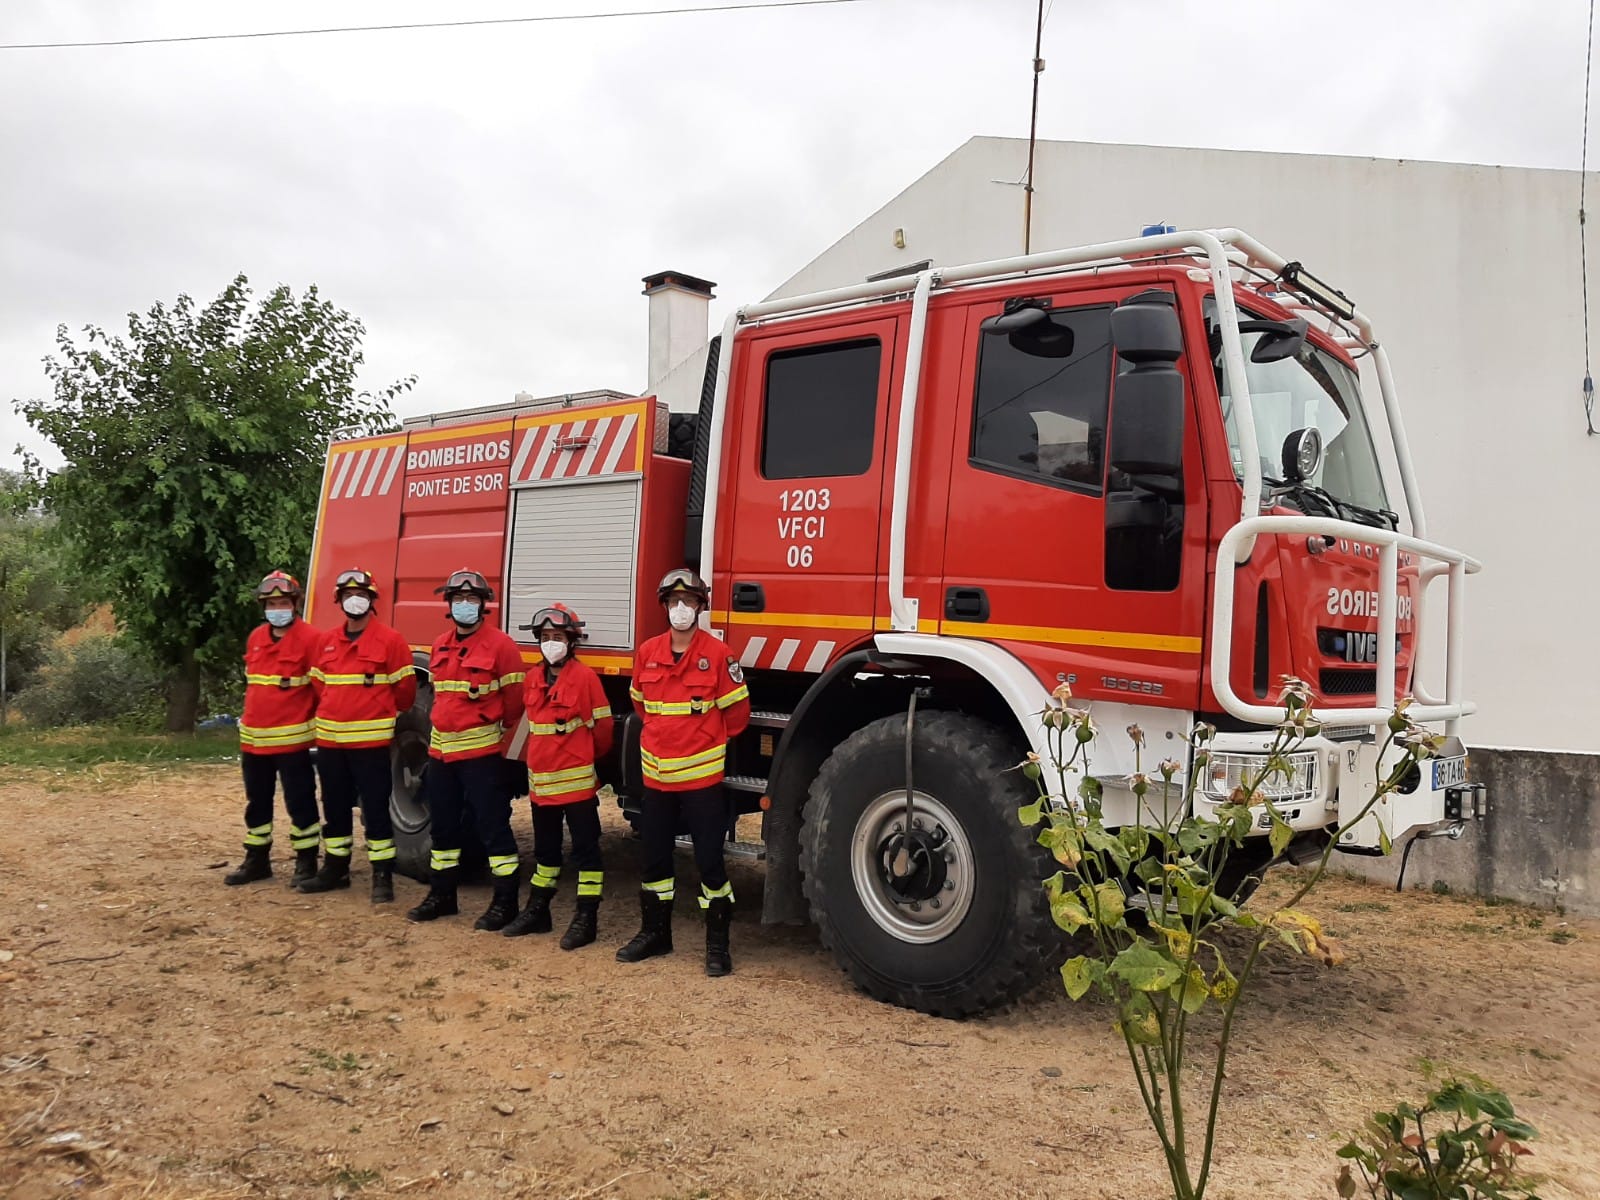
column 1146, row 439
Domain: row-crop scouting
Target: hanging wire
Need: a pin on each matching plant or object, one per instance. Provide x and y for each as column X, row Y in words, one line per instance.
column 1583, row 230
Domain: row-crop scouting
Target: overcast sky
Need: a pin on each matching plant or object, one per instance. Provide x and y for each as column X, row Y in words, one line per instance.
column 486, row 200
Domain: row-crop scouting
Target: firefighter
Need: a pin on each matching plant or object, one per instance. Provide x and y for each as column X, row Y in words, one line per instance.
column 477, row 675
column 276, row 731
column 692, row 699
column 364, row 681
column 569, row 730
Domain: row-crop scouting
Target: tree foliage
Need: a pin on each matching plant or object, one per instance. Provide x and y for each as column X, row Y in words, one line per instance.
column 193, row 452
column 37, row 597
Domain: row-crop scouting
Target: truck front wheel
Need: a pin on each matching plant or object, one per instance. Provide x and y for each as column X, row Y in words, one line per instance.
column 953, row 919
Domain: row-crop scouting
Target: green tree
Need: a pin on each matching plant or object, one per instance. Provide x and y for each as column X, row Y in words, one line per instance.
column 193, row 453
column 37, row 596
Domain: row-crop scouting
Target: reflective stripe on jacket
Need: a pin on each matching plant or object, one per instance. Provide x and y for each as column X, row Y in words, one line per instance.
column 279, row 701
column 362, row 684
column 689, row 708
column 477, row 692
column 569, row 730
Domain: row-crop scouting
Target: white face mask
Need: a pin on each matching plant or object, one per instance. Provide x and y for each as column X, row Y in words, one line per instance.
column 681, row 616
column 553, row 651
column 356, row 605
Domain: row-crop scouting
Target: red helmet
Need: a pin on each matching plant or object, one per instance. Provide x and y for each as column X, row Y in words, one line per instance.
column 279, row 585
column 466, row 581
column 355, row 581
column 683, row 580
column 558, row 617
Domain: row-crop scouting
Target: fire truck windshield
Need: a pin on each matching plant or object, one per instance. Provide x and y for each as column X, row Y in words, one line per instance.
column 1310, row 389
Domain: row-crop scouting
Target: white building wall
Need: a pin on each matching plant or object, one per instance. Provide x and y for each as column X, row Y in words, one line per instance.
column 1471, row 275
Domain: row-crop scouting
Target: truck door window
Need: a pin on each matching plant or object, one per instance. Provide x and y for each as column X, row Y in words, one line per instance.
column 1042, row 415
column 820, row 409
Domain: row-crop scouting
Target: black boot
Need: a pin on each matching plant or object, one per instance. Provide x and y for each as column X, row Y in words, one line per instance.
column 719, row 916
column 305, row 866
column 501, row 909
column 440, row 900
column 382, row 883
column 257, row 864
column 655, row 933
column 536, row 917
column 335, row 873
column 584, row 924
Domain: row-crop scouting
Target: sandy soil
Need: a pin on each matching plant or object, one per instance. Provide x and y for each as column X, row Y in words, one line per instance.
column 162, row 1035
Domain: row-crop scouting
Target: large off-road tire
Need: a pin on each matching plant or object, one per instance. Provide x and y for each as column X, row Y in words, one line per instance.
column 408, row 761
column 981, row 935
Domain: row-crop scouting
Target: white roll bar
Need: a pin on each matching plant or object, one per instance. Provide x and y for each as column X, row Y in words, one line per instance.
column 1391, row 542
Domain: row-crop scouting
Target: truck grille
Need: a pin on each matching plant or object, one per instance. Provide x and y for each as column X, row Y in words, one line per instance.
column 1348, row 681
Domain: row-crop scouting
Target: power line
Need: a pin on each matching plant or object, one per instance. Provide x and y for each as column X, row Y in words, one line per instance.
column 277, row 33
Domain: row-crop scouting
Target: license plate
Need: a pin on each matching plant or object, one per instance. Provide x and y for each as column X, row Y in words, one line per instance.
column 1449, row 772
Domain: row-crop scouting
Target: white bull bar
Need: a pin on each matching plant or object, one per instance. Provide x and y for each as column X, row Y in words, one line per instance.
column 1452, row 564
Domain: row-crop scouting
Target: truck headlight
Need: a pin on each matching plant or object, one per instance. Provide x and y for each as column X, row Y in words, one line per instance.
column 1227, row 771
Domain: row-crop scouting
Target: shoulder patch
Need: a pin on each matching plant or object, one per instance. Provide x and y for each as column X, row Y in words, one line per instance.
column 735, row 671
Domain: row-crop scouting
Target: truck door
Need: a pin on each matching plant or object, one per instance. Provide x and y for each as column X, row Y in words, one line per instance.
column 1047, row 551
column 807, row 463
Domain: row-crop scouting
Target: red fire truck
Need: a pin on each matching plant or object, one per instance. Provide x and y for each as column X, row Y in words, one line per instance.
column 1142, row 468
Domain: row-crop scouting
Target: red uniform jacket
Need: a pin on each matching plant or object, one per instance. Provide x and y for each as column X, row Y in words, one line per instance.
column 477, row 693
column 362, row 684
column 569, row 729
column 689, row 708
column 279, row 701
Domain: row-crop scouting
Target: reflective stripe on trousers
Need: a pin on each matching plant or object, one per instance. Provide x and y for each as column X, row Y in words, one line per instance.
column 444, row 860
column 662, row 889
column 707, row 895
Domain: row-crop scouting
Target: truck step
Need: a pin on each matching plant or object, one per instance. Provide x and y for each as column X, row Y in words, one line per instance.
column 754, row 851
column 746, row 783
column 770, row 720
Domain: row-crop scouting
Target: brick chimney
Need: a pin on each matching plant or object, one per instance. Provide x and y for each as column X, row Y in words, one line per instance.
column 680, row 307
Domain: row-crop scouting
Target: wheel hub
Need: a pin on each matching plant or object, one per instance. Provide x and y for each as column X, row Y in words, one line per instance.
column 913, row 865
column 916, row 883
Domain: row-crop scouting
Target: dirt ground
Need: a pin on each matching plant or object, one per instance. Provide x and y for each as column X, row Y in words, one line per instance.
column 162, row 1036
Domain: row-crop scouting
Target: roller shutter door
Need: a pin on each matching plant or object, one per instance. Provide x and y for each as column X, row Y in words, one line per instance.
column 576, row 543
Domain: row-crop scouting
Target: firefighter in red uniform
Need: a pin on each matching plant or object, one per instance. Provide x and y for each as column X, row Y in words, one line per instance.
column 569, row 729
column 692, row 699
column 364, row 680
column 477, row 675
column 276, row 731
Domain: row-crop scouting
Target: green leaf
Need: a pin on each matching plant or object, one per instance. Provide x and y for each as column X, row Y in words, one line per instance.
column 1145, row 968
column 1138, row 1022
column 1281, row 834
column 1224, row 987
column 1193, row 992
column 1384, row 844
column 1078, row 976
column 1068, row 913
column 1029, row 814
column 1110, row 846
column 1107, row 903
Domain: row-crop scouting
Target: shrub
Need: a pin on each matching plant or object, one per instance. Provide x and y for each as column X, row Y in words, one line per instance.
column 96, row 680
column 1475, row 1157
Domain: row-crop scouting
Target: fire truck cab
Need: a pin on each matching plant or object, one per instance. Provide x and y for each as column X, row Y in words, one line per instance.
column 1143, row 469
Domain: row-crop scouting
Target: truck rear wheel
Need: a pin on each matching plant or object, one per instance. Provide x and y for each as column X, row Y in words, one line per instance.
column 968, row 927
column 408, row 761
